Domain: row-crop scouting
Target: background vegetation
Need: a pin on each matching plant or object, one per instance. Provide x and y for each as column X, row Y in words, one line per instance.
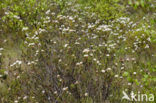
column 76, row 51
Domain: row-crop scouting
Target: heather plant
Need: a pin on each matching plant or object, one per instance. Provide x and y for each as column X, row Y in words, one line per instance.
column 74, row 51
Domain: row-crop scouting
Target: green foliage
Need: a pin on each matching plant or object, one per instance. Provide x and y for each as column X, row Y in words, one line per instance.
column 81, row 51
column 22, row 14
column 141, row 5
column 105, row 9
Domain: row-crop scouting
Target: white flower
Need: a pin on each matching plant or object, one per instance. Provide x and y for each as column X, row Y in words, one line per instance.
column 60, row 60
column 134, row 73
column 65, row 29
column 5, row 41
column 55, row 92
column 115, row 34
column 58, row 76
column 17, row 62
column 86, row 94
column 42, row 50
column 133, row 59
column 127, row 59
column 95, row 59
column 116, row 76
column 47, row 12
column 15, row 101
column 129, row 83
column 97, row 62
column 65, row 45
column 29, row 63
column 103, row 71
column 123, row 20
column 41, row 30
column 31, row 44
column 18, row 77
column 86, row 55
column 25, row 97
column 65, row 88
column 71, row 18
column 147, row 46
column 149, row 39
column 86, row 50
column 77, row 43
column 6, row 13
column 24, row 28
column 53, row 13
column 17, row 17
column 104, row 28
column 109, row 69
column 1, row 49
column 91, row 54
column 107, row 55
column 6, row 72
column 122, row 68
column 76, row 82
column 19, row 98
column 116, row 64
column 80, row 63
column 43, row 91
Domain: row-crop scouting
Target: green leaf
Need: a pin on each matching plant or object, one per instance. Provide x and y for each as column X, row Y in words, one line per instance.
column 146, row 76
column 136, row 81
column 154, row 79
column 125, row 74
column 129, row 79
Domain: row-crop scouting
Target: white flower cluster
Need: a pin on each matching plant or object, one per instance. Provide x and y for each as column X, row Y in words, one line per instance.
column 17, row 62
column 104, row 28
column 1, row 49
column 123, row 20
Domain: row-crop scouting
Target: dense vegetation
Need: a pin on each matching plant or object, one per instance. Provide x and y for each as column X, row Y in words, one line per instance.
column 76, row 51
